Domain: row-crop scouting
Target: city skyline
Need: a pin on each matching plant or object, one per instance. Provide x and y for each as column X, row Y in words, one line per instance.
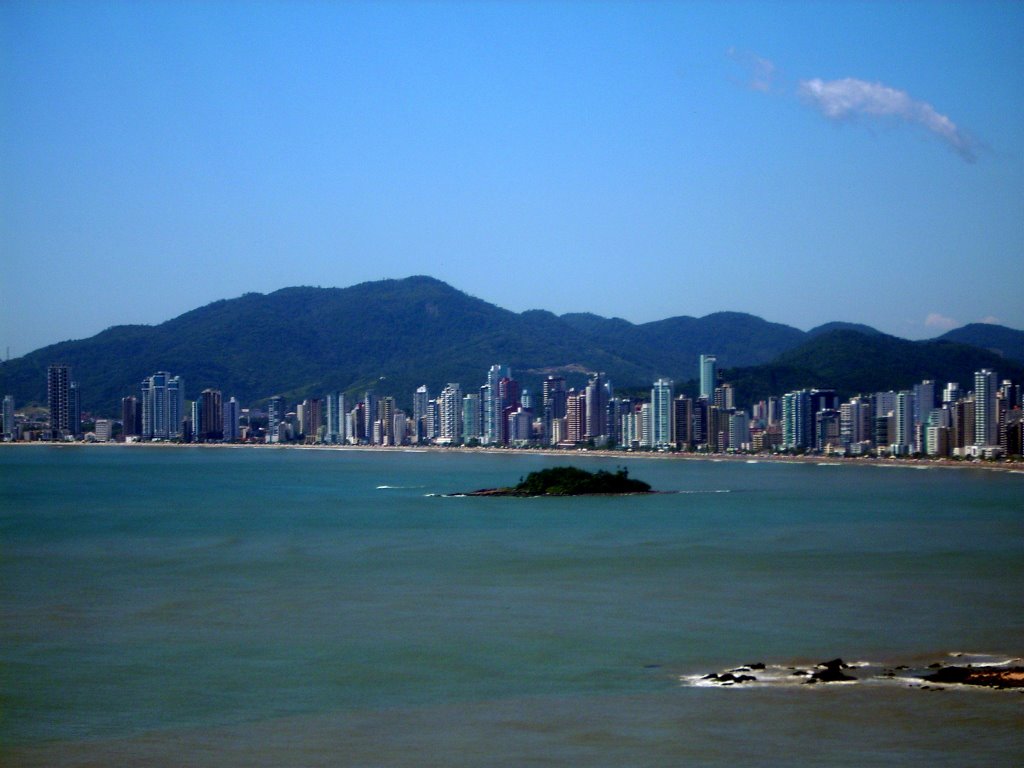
column 985, row 422
column 799, row 149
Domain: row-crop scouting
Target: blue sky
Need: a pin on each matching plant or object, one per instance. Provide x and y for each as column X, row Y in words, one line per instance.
column 804, row 162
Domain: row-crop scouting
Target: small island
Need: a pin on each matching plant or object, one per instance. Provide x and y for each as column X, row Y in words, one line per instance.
column 570, row 481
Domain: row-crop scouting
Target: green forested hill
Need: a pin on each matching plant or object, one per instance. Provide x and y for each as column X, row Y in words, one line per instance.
column 393, row 335
column 852, row 362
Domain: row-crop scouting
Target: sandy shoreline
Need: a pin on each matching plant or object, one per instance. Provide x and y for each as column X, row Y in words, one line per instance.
column 861, row 461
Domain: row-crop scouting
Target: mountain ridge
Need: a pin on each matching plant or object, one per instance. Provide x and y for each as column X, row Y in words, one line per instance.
column 392, row 335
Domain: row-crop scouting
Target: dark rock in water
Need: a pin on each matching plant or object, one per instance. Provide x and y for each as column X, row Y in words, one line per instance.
column 800, row 673
column 712, row 676
column 990, row 677
column 728, row 677
column 831, row 672
column 936, row 665
column 757, row 665
column 834, row 664
column 745, row 679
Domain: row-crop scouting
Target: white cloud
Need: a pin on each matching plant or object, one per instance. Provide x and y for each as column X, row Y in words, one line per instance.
column 991, row 320
column 850, row 98
column 760, row 71
column 941, row 322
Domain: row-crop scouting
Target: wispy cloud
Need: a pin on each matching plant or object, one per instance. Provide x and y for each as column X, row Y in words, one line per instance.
column 760, row 71
column 991, row 320
column 940, row 322
column 850, row 99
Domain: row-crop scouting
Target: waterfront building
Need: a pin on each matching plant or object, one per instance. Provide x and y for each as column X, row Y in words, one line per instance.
column 369, row 415
column 708, row 375
column 986, row 414
column 645, row 426
column 827, row 430
column 232, row 420
column 683, row 422
column 75, row 409
column 131, row 416
column 903, row 442
column 471, row 417
column 58, row 399
column 163, row 406
column 275, row 418
column 520, row 426
column 661, row 414
column 739, row 431
column 335, row 418
column 420, row 408
column 855, row 421
column 597, row 406
column 9, row 432
column 492, row 404
column 400, row 428
column 575, row 416
column 797, row 420
column 951, row 393
column 450, row 403
column 553, row 403
column 211, row 416
column 103, row 430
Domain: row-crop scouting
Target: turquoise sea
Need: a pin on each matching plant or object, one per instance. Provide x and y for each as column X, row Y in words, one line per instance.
column 286, row 607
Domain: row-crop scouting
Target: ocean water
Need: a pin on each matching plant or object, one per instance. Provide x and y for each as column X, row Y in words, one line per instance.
column 221, row 607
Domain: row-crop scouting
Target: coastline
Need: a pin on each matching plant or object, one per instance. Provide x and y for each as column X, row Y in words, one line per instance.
column 1012, row 467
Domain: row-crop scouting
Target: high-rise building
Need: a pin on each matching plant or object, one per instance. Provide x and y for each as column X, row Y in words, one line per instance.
column 739, row 430
column 420, row 405
column 58, row 399
column 661, row 414
column 986, row 414
column 211, row 421
column 75, row 409
column 797, row 420
column 554, row 399
column 131, row 416
column 232, row 420
column 683, row 422
column 450, row 403
column 708, row 375
column 597, row 404
column 8, row 433
column 163, row 406
column 575, row 416
column 471, row 417
column 903, row 443
column 276, row 410
column 493, row 418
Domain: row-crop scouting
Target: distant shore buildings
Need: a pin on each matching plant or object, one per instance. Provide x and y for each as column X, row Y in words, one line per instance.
column 924, row 420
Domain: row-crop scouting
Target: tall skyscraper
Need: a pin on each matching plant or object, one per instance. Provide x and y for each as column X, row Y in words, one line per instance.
column 163, row 406
column 8, row 417
column 232, row 420
column 275, row 418
column 683, row 422
column 493, row 417
column 708, row 375
column 58, row 398
column 75, row 409
column 211, row 420
column 420, row 406
column 553, row 405
column 597, row 406
column 661, row 414
column 451, row 415
column 986, row 414
column 131, row 416
column 471, row 417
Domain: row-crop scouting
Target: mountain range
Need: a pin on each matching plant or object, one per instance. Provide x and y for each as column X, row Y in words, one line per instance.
column 394, row 335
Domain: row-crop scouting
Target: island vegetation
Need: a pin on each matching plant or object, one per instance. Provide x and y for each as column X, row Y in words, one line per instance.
column 571, row 481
